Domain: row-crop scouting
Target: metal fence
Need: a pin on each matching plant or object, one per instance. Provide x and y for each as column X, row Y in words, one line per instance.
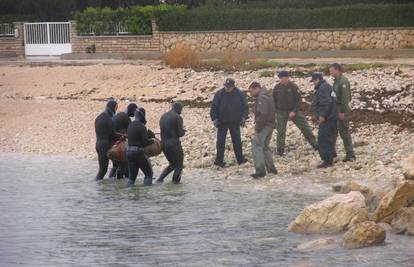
column 6, row 29
column 101, row 28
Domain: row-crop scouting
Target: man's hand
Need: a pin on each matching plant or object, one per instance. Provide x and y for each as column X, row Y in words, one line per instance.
column 341, row 116
column 292, row 115
column 314, row 119
column 321, row 119
column 243, row 122
column 216, row 123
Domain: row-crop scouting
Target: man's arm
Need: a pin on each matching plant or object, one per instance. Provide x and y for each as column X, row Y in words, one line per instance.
column 298, row 98
column 180, row 127
column 214, row 114
column 144, row 137
column 345, row 96
column 245, row 108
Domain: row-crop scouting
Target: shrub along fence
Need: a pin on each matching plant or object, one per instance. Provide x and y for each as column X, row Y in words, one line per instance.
column 355, row 16
column 123, row 21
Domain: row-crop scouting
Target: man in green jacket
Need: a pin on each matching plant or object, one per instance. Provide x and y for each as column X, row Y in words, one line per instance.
column 342, row 89
column 287, row 100
column 264, row 117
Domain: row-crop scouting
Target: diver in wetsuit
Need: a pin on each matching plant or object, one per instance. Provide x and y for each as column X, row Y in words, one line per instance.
column 105, row 136
column 137, row 140
column 121, row 122
column 171, row 125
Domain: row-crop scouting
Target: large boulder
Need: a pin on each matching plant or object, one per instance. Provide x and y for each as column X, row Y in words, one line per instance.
column 364, row 234
column 408, row 168
column 403, row 221
column 393, row 201
column 354, row 186
column 332, row 215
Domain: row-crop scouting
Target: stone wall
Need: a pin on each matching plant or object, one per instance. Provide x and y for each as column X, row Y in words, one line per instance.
column 277, row 40
column 291, row 40
column 12, row 46
column 115, row 44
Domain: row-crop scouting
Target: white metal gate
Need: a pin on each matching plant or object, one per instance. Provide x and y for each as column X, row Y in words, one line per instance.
column 47, row 38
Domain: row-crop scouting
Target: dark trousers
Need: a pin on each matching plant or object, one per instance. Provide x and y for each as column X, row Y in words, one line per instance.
column 138, row 160
column 102, row 147
column 174, row 153
column 327, row 140
column 235, row 138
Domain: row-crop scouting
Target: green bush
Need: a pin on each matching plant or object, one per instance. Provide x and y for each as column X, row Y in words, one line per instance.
column 211, row 19
column 106, row 21
column 302, row 3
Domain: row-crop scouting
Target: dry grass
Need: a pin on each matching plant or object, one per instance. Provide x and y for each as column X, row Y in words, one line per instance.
column 182, row 56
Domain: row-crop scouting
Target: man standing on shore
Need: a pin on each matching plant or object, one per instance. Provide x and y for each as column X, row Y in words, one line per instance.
column 287, row 98
column 105, row 136
column 325, row 114
column 342, row 89
column 171, row 125
column 229, row 111
column 264, row 116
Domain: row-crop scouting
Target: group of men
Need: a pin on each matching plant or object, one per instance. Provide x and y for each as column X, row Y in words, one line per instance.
column 229, row 112
column 273, row 109
column 111, row 126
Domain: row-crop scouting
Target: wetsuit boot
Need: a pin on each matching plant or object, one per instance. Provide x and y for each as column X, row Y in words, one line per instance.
column 177, row 176
column 164, row 174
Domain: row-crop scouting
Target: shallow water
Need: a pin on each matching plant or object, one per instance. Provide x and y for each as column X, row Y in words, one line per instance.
column 54, row 214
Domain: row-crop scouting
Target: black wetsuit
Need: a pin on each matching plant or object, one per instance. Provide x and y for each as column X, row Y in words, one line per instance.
column 105, row 136
column 137, row 140
column 171, row 125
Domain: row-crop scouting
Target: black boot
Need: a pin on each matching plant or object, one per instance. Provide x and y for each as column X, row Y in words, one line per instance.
column 220, row 164
column 325, row 165
column 147, row 181
column 280, row 152
column 272, row 171
column 349, row 158
column 257, row 175
column 130, row 183
column 112, row 173
column 164, row 174
column 177, row 177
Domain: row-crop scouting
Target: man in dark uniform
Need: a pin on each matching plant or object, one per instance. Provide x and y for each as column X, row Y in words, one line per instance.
column 286, row 95
column 229, row 111
column 121, row 122
column 171, row 125
column 325, row 114
column 342, row 89
column 137, row 140
column 105, row 136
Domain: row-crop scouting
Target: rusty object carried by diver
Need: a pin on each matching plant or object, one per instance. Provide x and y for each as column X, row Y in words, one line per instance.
column 118, row 150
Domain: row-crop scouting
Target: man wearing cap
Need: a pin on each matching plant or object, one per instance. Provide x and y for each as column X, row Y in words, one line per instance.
column 264, row 117
column 342, row 89
column 229, row 112
column 325, row 114
column 287, row 98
